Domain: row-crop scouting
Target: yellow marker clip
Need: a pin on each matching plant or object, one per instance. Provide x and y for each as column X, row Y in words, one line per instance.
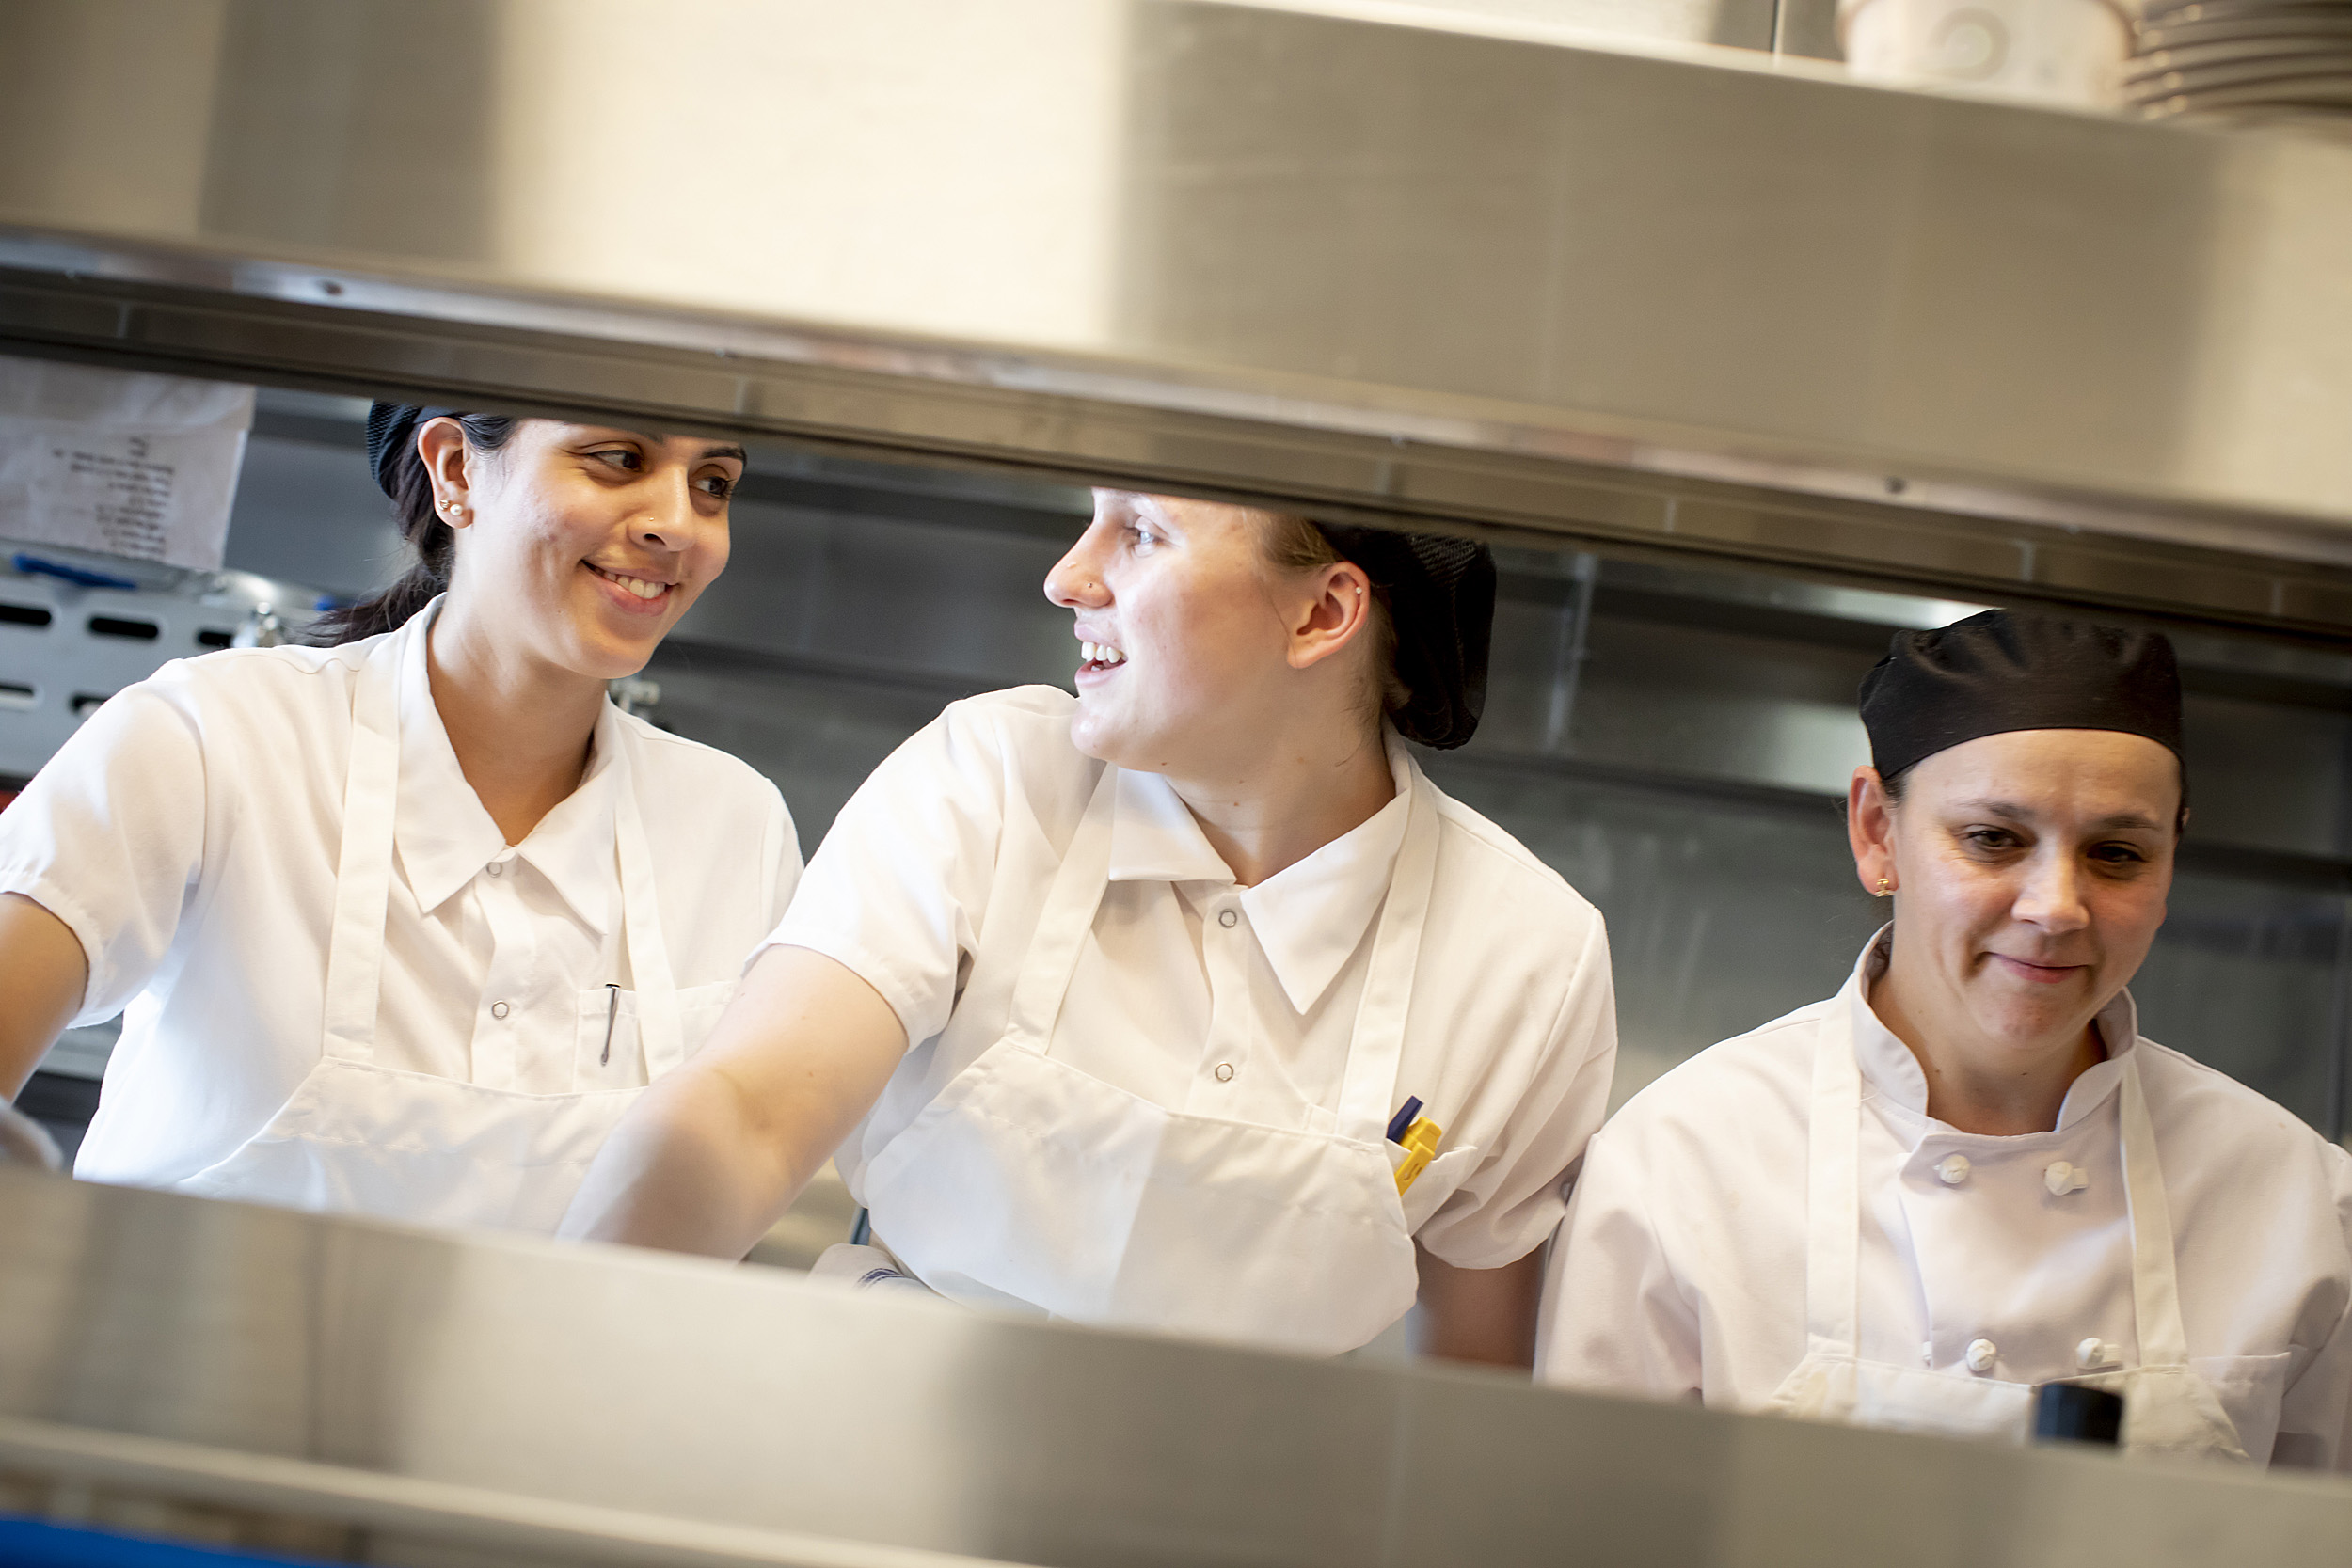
column 1421, row 1147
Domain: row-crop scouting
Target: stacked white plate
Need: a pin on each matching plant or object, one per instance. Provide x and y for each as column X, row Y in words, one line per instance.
column 2246, row 62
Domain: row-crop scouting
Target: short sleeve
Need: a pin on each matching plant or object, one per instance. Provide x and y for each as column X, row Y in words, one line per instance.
column 899, row 888
column 109, row 836
column 1614, row 1316
column 1514, row 1201
column 2315, row 1414
column 784, row 856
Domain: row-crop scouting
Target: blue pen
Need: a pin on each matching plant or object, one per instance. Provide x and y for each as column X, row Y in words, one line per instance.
column 1403, row 1118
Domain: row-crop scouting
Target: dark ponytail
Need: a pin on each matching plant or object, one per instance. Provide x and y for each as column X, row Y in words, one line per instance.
column 401, row 473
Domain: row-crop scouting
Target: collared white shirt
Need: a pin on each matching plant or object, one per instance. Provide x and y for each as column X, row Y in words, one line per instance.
column 1681, row 1267
column 1206, row 997
column 188, row 834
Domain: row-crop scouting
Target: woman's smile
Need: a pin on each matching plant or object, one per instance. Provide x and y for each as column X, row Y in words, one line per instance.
column 632, row 593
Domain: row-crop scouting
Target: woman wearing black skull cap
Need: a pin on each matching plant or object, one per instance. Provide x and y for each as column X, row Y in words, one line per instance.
column 1968, row 1174
column 404, row 921
column 1186, row 1003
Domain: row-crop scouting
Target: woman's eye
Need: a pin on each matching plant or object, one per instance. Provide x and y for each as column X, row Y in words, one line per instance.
column 1141, row 535
column 2119, row 854
column 1989, row 838
column 717, row 486
column 621, row 458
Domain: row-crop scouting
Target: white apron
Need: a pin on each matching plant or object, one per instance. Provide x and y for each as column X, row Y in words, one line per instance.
column 2168, row 1408
column 1027, row 1181
column 358, row 1137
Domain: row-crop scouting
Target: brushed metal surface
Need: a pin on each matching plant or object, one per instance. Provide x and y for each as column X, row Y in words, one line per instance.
column 1697, row 299
column 324, row 1364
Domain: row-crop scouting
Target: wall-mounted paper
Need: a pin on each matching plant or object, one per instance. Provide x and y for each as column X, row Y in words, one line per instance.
column 136, row 466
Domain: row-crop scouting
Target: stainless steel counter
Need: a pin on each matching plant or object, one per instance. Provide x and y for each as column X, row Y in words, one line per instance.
column 430, row 1399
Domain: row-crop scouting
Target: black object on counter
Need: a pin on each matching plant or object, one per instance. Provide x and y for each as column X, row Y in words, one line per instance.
column 2071, row 1413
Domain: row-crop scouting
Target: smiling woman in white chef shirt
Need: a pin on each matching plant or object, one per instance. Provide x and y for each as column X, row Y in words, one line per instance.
column 401, row 925
column 1113, row 998
column 1967, row 1173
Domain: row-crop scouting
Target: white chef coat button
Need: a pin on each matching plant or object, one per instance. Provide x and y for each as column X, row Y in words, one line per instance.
column 497, row 868
column 1224, row 1072
column 1228, row 919
column 498, row 1009
column 1927, row 1353
column 2090, row 1354
column 2063, row 1177
column 1981, row 1354
column 1952, row 1170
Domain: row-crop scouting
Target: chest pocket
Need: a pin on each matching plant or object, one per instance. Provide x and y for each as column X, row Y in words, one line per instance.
column 623, row 1066
column 1437, row 1182
column 2250, row 1389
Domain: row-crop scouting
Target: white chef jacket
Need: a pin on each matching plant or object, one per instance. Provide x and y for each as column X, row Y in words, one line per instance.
column 1681, row 1267
column 1206, row 997
column 188, row 836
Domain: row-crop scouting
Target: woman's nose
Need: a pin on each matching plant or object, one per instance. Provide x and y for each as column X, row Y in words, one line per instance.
column 1075, row 583
column 2052, row 897
column 667, row 520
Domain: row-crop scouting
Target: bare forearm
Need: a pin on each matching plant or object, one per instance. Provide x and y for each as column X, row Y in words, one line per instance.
column 710, row 1156
column 1482, row 1315
column 688, row 1171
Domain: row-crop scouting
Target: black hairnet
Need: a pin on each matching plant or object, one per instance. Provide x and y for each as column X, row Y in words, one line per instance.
column 391, row 433
column 1442, row 596
column 1995, row 672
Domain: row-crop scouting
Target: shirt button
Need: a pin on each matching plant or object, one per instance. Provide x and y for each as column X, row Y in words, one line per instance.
column 2063, row 1179
column 497, row 868
column 1228, row 919
column 1981, row 1354
column 2090, row 1354
column 498, row 1009
column 1952, row 1170
column 1224, row 1072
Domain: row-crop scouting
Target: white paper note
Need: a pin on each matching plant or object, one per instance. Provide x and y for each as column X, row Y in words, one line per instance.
column 138, row 466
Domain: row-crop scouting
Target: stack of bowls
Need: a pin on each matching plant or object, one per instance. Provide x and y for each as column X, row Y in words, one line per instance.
column 2273, row 62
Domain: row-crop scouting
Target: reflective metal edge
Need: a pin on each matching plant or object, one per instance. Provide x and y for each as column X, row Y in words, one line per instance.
column 438, row 1510
column 1071, row 421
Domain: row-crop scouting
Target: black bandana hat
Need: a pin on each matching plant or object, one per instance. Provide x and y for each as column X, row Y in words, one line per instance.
column 1442, row 596
column 392, row 435
column 1997, row 671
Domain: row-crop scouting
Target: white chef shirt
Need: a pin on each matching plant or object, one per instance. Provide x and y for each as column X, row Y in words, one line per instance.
column 1681, row 1271
column 188, row 834
column 1209, row 998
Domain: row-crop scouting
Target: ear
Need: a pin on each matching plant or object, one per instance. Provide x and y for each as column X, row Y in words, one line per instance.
column 441, row 443
column 1870, row 829
column 1332, row 607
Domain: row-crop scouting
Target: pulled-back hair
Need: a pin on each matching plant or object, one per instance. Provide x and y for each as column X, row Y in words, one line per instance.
column 1290, row 543
column 434, row 542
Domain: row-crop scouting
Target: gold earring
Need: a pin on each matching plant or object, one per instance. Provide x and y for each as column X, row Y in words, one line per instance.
column 1885, row 889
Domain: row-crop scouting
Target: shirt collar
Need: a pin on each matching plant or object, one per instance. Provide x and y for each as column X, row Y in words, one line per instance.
column 1887, row 1063
column 1310, row 917
column 445, row 836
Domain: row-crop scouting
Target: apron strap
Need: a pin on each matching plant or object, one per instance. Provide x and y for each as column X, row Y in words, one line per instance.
column 2155, row 1279
column 659, row 1029
column 1062, row 924
column 363, row 867
column 1833, row 1247
column 1375, row 1051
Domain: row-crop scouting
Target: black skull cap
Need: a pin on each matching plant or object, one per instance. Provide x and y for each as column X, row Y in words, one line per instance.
column 1998, row 671
column 392, row 435
column 1441, row 597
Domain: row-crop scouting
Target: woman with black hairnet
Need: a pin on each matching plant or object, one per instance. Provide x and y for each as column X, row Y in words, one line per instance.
column 403, row 920
column 1188, row 1003
column 1968, row 1174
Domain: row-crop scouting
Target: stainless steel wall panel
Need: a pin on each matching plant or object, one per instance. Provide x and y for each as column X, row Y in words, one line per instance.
column 1323, row 259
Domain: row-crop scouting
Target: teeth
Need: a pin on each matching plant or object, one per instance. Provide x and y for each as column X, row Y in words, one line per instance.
column 643, row 589
column 1085, row 653
column 1100, row 653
